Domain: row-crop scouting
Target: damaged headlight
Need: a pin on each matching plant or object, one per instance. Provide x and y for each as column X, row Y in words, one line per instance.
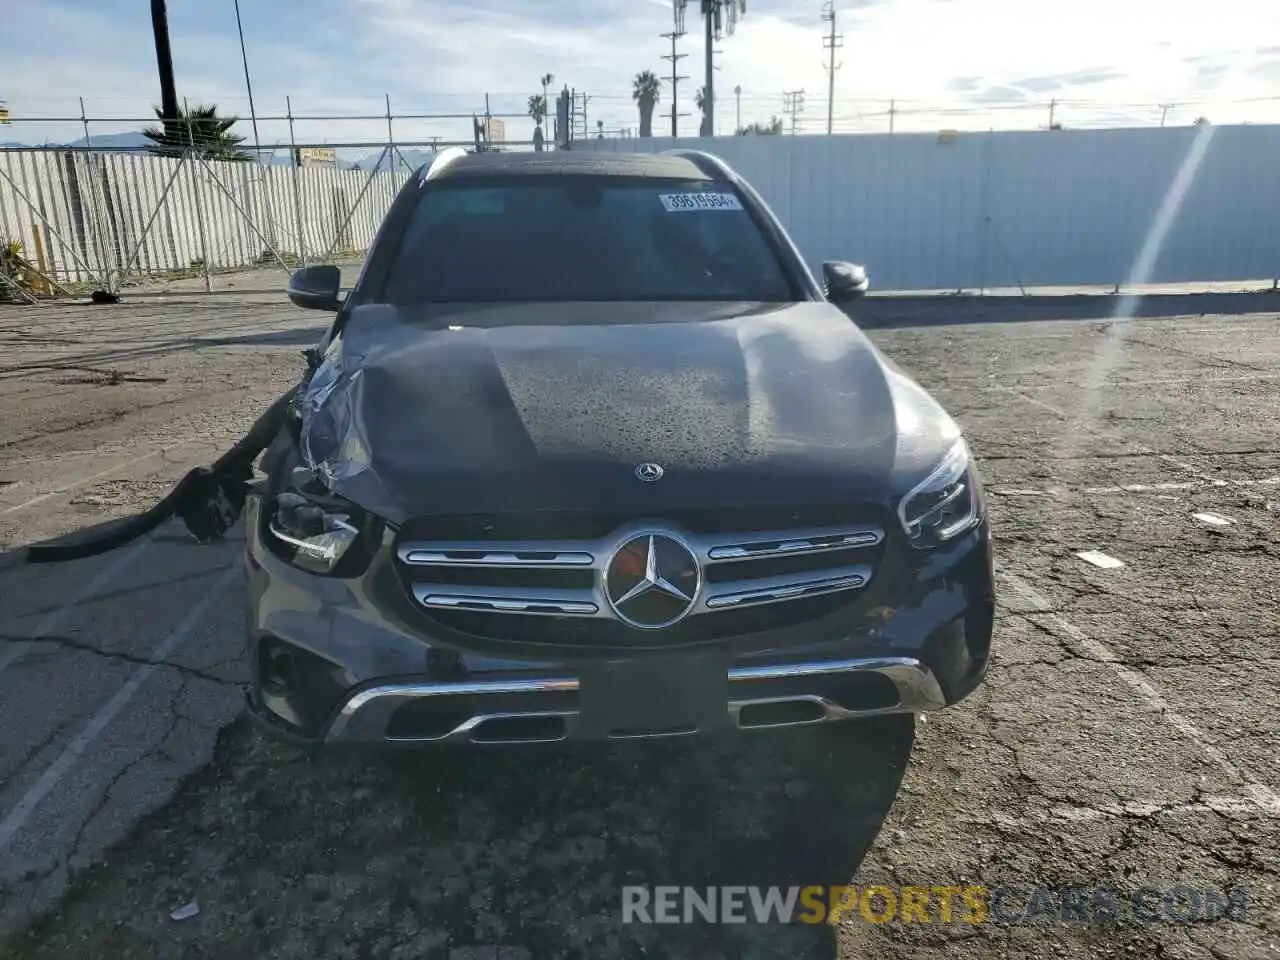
column 319, row 536
column 945, row 504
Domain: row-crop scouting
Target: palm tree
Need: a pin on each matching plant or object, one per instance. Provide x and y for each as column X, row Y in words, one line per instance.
column 772, row 128
column 720, row 18
column 644, row 91
column 538, row 109
column 547, row 80
column 200, row 128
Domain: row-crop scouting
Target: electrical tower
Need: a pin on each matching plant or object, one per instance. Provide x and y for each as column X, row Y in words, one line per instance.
column 677, row 31
column 793, row 103
column 831, row 43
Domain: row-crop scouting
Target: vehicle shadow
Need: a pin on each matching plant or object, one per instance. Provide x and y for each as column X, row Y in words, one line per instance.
column 891, row 311
column 306, row 336
column 785, row 809
column 512, row 853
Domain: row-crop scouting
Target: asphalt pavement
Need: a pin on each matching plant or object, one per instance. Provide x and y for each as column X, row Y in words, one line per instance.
column 1126, row 738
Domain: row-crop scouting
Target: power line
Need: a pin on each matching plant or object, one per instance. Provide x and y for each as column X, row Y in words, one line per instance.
column 676, row 33
column 831, row 43
column 793, row 103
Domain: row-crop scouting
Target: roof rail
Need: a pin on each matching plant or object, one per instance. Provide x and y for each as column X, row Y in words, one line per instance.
column 708, row 163
column 442, row 160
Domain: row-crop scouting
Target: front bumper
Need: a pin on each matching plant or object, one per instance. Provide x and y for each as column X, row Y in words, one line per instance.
column 366, row 716
column 331, row 667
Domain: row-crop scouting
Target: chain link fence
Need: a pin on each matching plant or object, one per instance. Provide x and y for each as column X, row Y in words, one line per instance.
column 926, row 212
column 90, row 220
column 186, row 205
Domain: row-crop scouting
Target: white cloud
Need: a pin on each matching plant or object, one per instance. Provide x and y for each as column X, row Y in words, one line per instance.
column 953, row 63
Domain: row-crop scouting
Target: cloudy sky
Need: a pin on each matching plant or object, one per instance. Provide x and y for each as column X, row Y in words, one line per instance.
column 966, row 64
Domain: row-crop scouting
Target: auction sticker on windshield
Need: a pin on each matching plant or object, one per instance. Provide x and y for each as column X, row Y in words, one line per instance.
column 679, row 202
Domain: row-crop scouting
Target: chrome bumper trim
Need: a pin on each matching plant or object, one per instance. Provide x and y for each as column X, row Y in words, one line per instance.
column 365, row 716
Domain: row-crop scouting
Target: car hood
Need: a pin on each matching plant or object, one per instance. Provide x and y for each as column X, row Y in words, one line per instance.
column 553, row 406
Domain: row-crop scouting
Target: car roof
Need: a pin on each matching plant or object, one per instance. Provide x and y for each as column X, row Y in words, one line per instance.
column 570, row 163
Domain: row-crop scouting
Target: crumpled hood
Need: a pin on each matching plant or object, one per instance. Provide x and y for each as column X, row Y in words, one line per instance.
column 552, row 406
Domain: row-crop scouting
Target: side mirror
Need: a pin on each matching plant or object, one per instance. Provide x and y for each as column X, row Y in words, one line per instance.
column 316, row 288
column 844, row 281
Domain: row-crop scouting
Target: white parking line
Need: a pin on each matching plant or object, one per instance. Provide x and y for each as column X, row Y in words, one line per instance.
column 1145, row 487
column 1258, row 793
column 53, row 621
column 1222, row 806
column 1108, row 811
column 1040, row 403
column 1173, row 461
column 1240, row 485
column 1204, row 481
column 66, row 487
column 49, row 779
column 1163, row 381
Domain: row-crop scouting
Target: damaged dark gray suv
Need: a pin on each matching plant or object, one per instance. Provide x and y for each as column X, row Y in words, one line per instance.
column 588, row 453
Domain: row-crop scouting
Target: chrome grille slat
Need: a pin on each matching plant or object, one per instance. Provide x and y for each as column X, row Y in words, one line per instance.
column 564, row 578
column 736, row 593
column 794, row 543
column 545, row 601
column 545, row 556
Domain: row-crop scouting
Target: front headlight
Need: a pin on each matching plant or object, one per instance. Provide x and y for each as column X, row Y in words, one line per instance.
column 943, row 505
column 316, row 536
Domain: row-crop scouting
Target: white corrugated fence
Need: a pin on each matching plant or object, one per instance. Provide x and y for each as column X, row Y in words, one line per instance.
column 963, row 211
column 123, row 216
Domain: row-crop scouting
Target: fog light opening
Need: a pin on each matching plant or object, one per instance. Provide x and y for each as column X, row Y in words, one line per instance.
column 781, row 713
column 279, row 674
column 519, row 730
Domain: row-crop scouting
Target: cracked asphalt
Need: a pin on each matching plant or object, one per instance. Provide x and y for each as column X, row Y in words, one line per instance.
column 1126, row 738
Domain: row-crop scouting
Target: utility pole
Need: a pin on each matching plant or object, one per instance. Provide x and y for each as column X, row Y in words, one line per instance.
column 1053, row 107
column 737, row 109
column 793, row 103
column 709, row 91
column 677, row 31
column 831, row 43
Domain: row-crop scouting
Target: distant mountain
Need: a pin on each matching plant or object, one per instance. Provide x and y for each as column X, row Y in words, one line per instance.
column 381, row 161
column 133, row 141
column 112, row 141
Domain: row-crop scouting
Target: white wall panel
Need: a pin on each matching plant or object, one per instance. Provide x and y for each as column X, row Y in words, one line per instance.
column 1037, row 208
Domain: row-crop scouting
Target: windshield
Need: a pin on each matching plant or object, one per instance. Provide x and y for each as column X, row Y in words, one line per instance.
column 543, row 239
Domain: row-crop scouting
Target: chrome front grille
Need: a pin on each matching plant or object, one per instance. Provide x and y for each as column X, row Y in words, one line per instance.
column 492, row 580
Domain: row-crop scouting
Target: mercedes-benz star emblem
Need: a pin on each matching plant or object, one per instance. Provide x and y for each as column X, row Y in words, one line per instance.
column 649, row 472
column 652, row 581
